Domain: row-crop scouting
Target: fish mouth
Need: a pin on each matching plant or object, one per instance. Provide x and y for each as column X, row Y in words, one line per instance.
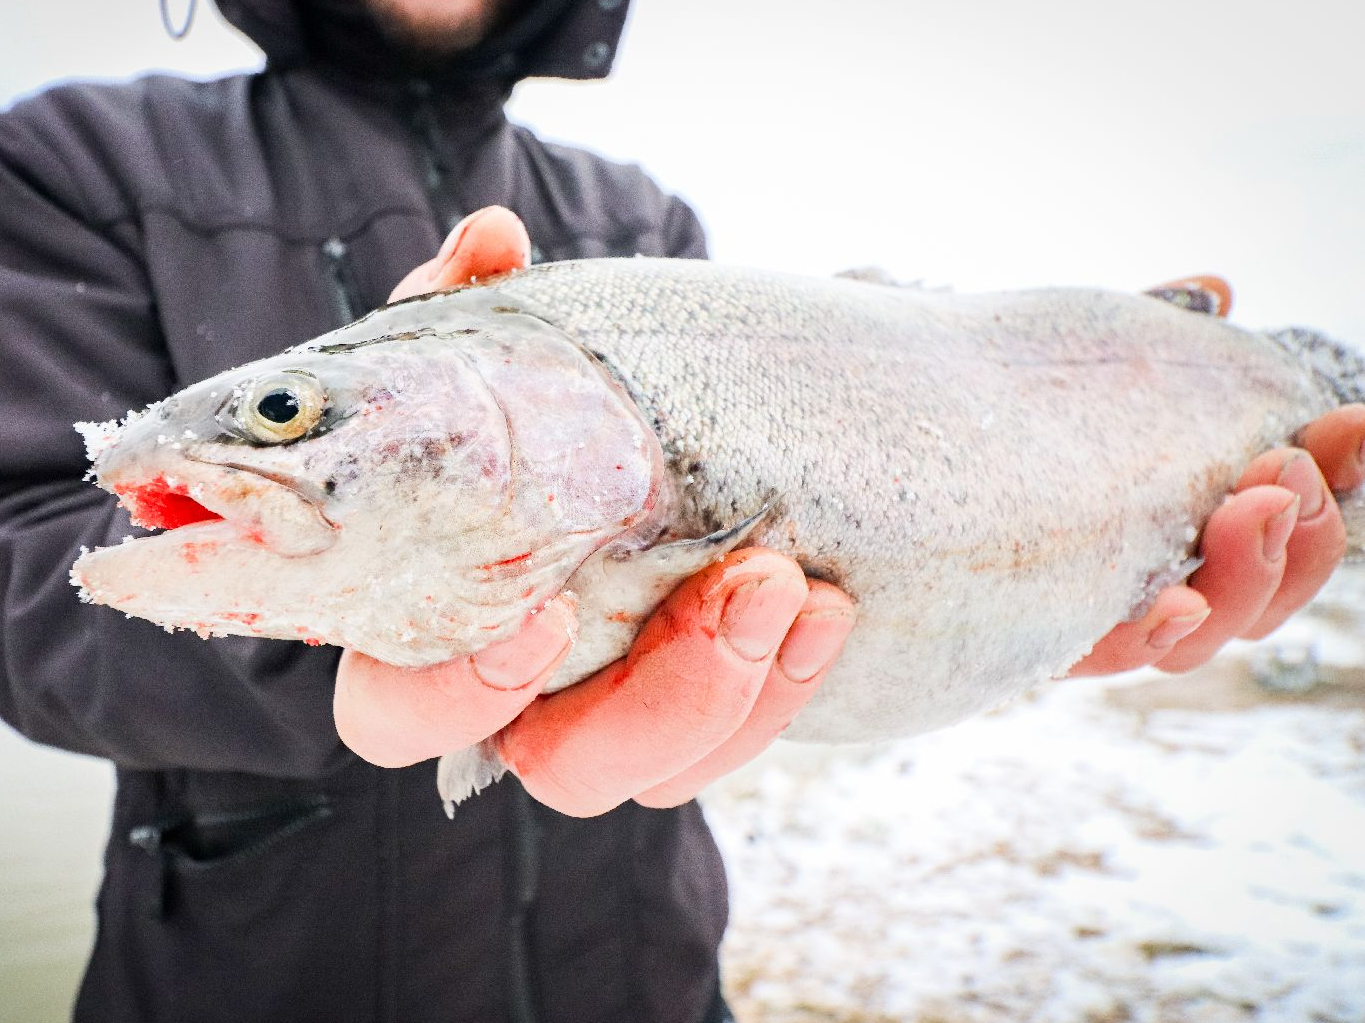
column 161, row 504
column 230, row 540
column 230, row 502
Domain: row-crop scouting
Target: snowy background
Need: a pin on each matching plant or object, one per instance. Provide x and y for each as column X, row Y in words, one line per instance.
column 1139, row 850
column 1145, row 849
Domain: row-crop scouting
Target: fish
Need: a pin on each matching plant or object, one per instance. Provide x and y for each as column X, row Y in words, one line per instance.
column 996, row 479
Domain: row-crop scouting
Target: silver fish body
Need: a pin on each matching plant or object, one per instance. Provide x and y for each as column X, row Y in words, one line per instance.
column 996, row 479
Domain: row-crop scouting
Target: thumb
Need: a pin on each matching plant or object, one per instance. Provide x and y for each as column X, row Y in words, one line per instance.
column 488, row 242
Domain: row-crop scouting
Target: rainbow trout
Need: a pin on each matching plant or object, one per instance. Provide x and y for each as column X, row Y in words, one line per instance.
column 996, row 479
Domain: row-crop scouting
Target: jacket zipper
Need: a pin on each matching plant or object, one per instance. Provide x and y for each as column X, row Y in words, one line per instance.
column 431, row 150
column 344, row 299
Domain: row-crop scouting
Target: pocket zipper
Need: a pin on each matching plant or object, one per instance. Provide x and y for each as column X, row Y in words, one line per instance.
column 151, row 838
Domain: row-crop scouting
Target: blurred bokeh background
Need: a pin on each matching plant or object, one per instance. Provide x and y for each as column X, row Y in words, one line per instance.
column 980, row 145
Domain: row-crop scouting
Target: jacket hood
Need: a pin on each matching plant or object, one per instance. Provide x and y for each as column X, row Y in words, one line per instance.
column 548, row 39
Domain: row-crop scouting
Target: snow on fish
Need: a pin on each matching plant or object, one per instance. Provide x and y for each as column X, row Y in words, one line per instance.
column 996, row 479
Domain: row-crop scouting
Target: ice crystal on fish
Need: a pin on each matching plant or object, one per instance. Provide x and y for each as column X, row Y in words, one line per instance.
column 98, row 437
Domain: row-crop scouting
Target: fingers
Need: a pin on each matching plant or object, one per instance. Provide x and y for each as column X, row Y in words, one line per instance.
column 1244, row 550
column 394, row 717
column 1239, row 576
column 1316, row 545
column 1259, row 568
column 486, row 243
column 688, row 683
column 1177, row 612
column 1335, row 441
column 811, row 647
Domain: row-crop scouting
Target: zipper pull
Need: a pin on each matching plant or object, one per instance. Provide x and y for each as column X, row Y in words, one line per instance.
column 334, row 252
column 147, row 837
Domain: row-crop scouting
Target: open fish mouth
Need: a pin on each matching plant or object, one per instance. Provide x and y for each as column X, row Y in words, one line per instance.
column 161, row 504
column 232, row 503
column 221, row 530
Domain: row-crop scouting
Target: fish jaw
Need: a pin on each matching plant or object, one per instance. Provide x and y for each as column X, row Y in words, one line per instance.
column 202, row 577
column 197, row 576
column 206, row 578
column 218, row 520
column 209, row 578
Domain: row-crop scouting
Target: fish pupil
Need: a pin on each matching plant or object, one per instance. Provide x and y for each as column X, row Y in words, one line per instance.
column 279, row 406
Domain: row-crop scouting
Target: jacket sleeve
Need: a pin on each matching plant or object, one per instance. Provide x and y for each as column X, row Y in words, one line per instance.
column 81, row 341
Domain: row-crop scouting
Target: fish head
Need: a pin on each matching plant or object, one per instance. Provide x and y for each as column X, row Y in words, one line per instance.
column 410, row 493
column 288, row 450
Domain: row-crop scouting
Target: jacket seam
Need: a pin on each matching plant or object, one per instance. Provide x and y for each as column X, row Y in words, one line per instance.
column 347, row 229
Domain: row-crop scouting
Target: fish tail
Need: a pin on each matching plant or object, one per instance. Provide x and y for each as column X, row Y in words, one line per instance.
column 1337, row 367
column 1353, row 514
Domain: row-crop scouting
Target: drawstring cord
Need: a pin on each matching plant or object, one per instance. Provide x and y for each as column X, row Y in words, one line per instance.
column 184, row 29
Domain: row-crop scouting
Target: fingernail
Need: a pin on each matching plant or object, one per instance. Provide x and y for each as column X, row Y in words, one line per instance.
column 1277, row 531
column 755, row 617
column 813, row 641
column 455, row 236
column 1300, row 474
column 1173, row 630
column 538, row 647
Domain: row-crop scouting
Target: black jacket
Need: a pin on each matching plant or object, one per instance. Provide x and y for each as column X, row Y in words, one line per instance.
column 152, row 234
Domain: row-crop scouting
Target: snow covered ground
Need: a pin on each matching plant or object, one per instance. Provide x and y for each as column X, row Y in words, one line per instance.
column 1142, row 849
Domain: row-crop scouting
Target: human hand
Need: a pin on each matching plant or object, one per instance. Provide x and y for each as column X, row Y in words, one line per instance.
column 488, row 242
column 714, row 676
column 1266, row 551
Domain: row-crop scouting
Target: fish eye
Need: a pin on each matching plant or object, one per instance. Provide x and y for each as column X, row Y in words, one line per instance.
column 281, row 407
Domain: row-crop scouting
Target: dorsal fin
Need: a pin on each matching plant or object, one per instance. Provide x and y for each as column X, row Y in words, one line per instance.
column 876, row 275
column 1202, row 293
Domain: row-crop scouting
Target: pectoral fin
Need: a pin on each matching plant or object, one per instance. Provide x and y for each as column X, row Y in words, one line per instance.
column 1200, row 294
column 467, row 772
column 617, row 591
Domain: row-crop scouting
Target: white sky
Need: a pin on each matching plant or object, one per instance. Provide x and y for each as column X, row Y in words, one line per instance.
column 979, row 144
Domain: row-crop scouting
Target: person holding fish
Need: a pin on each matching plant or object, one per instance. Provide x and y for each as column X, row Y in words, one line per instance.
column 155, row 234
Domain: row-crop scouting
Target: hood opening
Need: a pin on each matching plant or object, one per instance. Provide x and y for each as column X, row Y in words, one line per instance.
column 546, row 39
